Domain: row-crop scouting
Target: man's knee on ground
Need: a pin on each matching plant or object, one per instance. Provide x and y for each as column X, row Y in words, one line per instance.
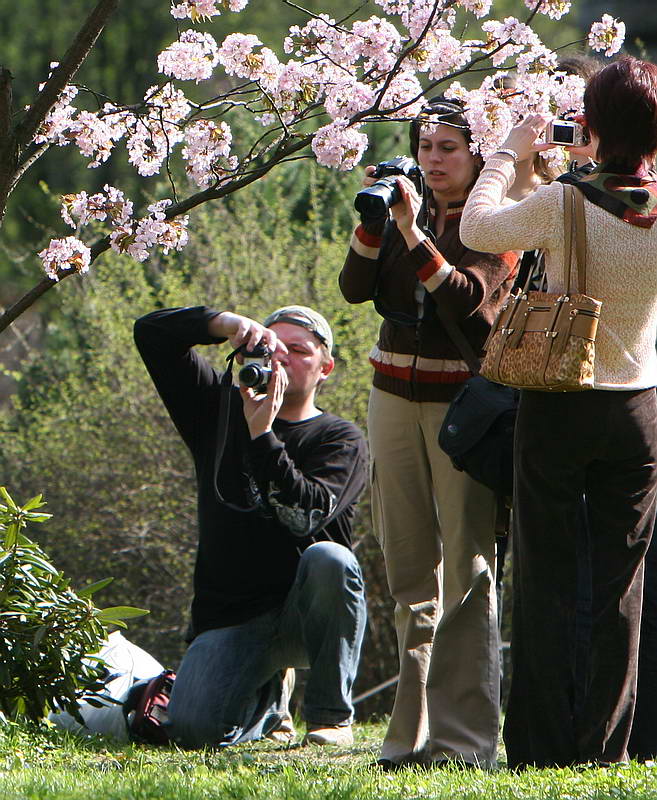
column 192, row 730
column 330, row 567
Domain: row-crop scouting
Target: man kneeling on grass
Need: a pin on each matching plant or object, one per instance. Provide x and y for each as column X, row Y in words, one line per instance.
column 275, row 584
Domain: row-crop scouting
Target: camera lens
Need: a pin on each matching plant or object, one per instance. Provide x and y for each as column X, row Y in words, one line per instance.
column 252, row 375
column 373, row 202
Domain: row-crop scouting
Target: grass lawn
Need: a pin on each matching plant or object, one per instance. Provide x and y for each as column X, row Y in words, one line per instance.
column 46, row 764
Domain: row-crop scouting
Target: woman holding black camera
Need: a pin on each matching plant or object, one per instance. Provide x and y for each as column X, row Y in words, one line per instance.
column 435, row 525
column 600, row 444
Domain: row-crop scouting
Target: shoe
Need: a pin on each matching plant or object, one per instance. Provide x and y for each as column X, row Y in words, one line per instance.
column 330, row 734
column 284, row 732
column 387, row 765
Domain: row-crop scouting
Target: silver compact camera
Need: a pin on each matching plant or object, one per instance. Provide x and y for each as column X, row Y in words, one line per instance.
column 565, row 132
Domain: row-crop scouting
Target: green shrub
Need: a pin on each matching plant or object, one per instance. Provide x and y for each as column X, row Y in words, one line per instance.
column 47, row 631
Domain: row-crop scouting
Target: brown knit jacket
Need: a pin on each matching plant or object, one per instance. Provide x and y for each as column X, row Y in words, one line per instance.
column 415, row 358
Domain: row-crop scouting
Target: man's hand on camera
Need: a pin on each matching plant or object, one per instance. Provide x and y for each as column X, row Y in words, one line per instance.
column 368, row 180
column 260, row 410
column 241, row 330
column 405, row 212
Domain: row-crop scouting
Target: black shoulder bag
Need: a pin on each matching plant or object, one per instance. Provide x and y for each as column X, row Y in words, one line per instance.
column 477, row 432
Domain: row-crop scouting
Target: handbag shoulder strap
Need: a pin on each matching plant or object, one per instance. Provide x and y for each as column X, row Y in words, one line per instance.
column 574, row 223
column 580, row 240
column 568, row 201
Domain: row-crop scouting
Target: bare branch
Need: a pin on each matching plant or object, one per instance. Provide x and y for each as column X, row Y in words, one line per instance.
column 25, row 163
column 5, row 105
column 74, row 58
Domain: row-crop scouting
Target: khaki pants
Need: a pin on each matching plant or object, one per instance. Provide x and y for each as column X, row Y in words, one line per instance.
column 436, row 528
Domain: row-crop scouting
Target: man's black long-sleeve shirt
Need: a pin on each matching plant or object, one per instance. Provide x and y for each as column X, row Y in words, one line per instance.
column 292, row 479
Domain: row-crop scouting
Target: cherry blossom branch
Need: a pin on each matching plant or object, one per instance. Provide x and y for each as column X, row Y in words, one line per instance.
column 177, row 209
column 71, row 62
column 407, row 51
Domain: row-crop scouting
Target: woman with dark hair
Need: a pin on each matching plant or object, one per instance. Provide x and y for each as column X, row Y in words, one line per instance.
column 600, row 443
column 435, row 525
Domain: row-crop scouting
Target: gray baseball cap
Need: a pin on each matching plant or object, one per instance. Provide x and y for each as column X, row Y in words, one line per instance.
column 305, row 317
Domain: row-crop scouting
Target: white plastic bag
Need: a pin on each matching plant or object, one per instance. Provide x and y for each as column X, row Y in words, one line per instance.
column 126, row 664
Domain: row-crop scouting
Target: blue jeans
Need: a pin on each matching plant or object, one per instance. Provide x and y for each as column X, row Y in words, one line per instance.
column 228, row 688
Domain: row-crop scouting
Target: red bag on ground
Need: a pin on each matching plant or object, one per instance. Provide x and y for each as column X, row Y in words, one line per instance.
column 146, row 709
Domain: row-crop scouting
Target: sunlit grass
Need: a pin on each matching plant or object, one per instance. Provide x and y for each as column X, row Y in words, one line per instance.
column 46, row 764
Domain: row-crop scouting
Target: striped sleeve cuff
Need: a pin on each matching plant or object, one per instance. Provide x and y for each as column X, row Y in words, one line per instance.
column 366, row 243
column 430, row 266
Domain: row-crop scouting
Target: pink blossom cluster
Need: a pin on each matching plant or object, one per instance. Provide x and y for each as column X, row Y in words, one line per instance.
column 192, row 58
column 348, row 97
column 206, row 151
column 393, row 7
column 489, row 116
column 58, row 120
column 492, row 109
column 93, row 136
column 137, row 237
column 81, row 208
column 238, row 56
column 442, row 54
column 480, row 8
column 514, row 35
column 297, row 85
column 65, row 253
column 340, row 68
column 319, row 37
column 339, row 146
column 607, row 35
column 152, row 136
column 555, row 9
column 204, row 9
column 421, row 14
column 377, row 42
column 195, row 10
column 404, row 96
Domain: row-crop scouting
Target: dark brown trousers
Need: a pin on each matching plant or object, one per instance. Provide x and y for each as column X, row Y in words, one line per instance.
column 601, row 445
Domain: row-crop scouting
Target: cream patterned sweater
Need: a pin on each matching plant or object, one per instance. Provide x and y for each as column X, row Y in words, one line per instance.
column 621, row 267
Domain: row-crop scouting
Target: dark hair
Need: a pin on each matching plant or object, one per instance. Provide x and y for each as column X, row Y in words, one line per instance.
column 580, row 64
column 620, row 104
column 439, row 110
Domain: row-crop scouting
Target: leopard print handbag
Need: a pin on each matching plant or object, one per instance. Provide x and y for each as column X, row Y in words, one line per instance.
column 544, row 340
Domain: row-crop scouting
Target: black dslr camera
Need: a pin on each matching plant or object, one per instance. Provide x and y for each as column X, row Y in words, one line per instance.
column 373, row 202
column 255, row 371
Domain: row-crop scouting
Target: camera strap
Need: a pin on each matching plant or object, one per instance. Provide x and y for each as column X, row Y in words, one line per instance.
column 223, row 421
column 400, row 317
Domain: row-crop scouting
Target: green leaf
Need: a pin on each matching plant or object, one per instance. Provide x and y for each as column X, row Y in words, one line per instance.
column 30, row 516
column 5, row 496
column 94, row 587
column 115, row 613
column 34, row 502
column 11, row 535
column 38, row 636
